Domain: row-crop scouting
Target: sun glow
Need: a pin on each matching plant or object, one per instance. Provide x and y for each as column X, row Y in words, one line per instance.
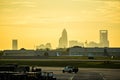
column 35, row 22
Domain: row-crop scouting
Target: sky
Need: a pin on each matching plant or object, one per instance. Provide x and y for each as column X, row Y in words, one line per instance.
column 35, row 22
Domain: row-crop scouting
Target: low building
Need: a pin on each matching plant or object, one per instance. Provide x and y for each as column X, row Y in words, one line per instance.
column 81, row 51
column 48, row 53
column 24, row 52
column 113, row 51
column 19, row 53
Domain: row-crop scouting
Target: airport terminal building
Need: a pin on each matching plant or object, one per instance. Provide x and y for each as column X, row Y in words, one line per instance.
column 81, row 51
column 31, row 53
column 73, row 51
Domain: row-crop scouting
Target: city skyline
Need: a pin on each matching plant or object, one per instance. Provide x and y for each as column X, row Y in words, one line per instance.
column 63, row 42
column 34, row 22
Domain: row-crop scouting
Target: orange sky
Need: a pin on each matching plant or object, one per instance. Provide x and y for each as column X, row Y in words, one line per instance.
column 35, row 22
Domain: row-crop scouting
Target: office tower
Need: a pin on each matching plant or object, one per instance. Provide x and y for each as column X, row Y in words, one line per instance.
column 14, row 44
column 63, row 41
column 104, row 38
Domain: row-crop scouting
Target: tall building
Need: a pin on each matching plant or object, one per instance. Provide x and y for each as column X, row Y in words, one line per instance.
column 14, row 44
column 63, row 41
column 104, row 38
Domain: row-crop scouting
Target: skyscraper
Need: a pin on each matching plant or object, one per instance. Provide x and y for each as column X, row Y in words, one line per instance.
column 63, row 41
column 14, row 44
column 104, row 38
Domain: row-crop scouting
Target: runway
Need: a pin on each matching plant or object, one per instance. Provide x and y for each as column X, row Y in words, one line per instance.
column 85, row 74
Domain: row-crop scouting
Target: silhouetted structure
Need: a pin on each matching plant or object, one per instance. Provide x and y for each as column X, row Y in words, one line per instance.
column 48, row 45
column 43, row 47
column 104, row 42
column 73, row 43
column 63, row 41
column 14, row 44
column 93, row 44
column 104, row 38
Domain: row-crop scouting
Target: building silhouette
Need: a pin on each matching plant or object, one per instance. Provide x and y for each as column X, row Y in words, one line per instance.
column 48, row 45
column 104, row 38
column 63, row 41
column 43, row 47
column 73, row 43
column 104, row 42
column 92, row 44
column 14, row 44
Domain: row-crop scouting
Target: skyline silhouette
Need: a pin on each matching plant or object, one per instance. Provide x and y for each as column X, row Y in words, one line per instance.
column 33, row 22
column 63, row 42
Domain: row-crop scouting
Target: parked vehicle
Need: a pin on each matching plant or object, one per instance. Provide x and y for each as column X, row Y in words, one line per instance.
column 22, row 72
column 70, row 69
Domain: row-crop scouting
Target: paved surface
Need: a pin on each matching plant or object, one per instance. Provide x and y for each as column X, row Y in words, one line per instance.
column 47, row 59
column 88, row 76
column 85, row 74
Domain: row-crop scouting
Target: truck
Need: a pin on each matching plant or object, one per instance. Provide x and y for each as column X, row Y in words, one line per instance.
column 70, row 69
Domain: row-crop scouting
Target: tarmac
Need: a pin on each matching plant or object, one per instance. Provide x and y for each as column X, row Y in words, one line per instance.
column 85, row 74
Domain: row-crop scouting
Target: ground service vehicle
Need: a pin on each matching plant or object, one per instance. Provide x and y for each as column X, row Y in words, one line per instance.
column 22, row 72
column 70, row 69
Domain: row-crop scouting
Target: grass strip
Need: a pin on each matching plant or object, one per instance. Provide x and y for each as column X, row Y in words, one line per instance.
column 65, row 63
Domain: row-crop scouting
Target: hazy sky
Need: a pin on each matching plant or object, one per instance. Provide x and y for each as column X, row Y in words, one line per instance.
column 35, row 22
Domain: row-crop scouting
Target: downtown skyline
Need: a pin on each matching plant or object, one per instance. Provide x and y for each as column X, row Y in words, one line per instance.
column 63, row 42
column 34, row 22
